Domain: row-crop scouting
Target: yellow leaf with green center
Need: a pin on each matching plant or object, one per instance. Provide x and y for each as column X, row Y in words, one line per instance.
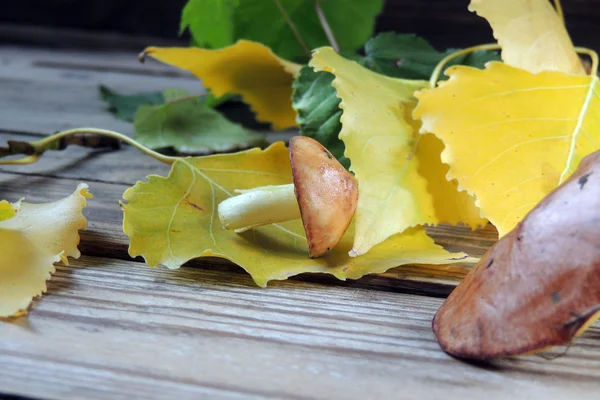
column 395, row 170
column 511, row 136
column 31, row 240
column 531, row 34
column 246, row 68
column 174, row 219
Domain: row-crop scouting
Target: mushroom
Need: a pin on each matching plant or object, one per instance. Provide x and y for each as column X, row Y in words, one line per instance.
column 323, row 195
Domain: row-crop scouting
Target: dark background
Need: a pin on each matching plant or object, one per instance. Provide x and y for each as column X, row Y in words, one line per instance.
column 129, row 23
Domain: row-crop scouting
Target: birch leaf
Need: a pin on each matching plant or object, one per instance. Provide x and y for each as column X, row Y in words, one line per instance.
column 511, row 136
column 531, row 34
column 185, row 223
column 32, row 238
column 390, row 54
column 263, row 80
column 377, row 125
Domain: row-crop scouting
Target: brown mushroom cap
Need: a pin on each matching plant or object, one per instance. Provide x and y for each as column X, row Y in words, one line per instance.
column 327, row 194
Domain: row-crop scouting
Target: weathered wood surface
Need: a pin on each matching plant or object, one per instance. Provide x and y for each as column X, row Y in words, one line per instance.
column 111, row 327
column 117, row 329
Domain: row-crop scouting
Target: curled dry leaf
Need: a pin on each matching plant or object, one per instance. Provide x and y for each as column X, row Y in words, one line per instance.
column 32, row 238
column 185, row 223
column 377, row 125
column 511, row 136
column 531, row 34
column 246, row 68
column 539, row 286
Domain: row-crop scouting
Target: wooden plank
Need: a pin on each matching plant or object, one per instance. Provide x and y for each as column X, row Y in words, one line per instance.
column 115, row 329
column 124, row 61
column 48, row 91
column 74, row 38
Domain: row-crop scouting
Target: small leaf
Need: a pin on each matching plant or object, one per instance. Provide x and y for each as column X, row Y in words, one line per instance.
column 249, row 69
column 185, row 225
column 209, row 21
column 382, row 143
column 539, row 285
column 531, row 34
column 124, row 106
column 190, row 127
column 317, row 106
column 31, row 240
column 511, row 136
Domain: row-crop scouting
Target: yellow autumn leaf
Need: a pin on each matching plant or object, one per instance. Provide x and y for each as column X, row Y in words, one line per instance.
column 451, row 205
column 389, row 162
column 32, row 238
column 511, row 136
column 531, row 34
column 246, row 68
column 174, row 219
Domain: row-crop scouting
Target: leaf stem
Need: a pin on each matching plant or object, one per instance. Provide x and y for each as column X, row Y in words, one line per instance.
column 292, row 27
column 591, row 54
column 559, row 10
column 326, row 28
column 435, row 75
column 185, row 98
column 34, row 150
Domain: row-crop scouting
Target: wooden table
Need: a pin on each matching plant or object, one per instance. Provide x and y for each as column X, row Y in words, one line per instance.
column 111, row 327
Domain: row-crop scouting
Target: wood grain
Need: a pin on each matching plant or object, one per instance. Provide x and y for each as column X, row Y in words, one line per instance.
column 116, row 329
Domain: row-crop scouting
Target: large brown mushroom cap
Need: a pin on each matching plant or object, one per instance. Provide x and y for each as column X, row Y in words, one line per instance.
column 327, row 194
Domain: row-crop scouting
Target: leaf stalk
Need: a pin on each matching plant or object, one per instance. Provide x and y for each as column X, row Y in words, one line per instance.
column 559, row 10
column 326, row 28
column 435, row 75
column 60, row 140
column 592, row 55
column 292, row 27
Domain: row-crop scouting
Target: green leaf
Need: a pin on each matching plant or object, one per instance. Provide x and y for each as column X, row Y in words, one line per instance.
column 318, row 112
column 209, row 21
column 189, row 126
column 124, row 106
column 411, row 57
column 396, row 55
column 352, row 23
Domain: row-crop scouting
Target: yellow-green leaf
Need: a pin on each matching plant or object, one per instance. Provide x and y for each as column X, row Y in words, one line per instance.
column 6, row 210
column 32, row 239
column 531, row 34
column 246, row 68
column 388, row 160
column 511, row 136
column 174, row 219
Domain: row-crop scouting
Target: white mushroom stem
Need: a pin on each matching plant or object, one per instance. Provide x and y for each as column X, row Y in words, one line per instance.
column 259, row 206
